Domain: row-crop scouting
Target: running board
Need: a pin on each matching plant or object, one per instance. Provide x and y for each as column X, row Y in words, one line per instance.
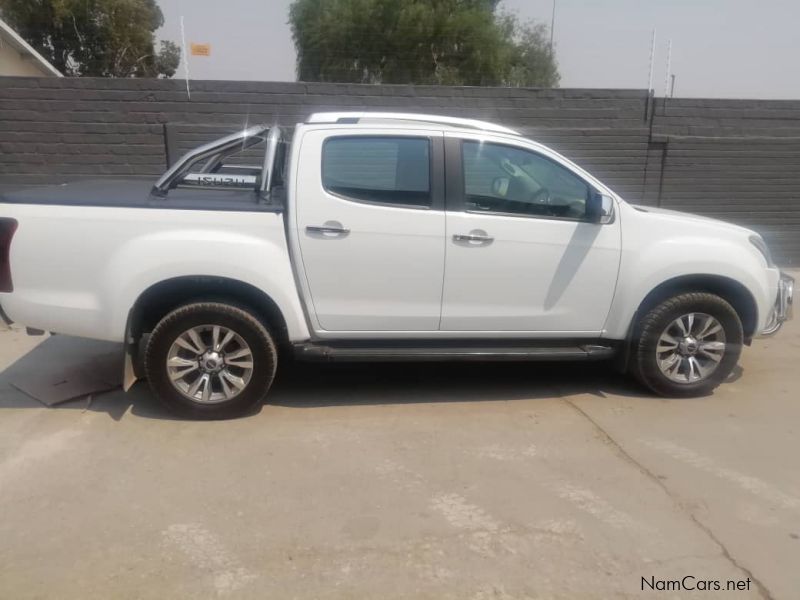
column 351, row 353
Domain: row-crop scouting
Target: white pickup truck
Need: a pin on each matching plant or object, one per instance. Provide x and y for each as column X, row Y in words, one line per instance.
column 381, row 236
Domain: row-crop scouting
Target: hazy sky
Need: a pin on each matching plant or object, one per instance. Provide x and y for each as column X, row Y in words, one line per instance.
column 720, row 48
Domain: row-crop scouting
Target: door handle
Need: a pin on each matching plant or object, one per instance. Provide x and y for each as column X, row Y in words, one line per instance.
column 460, row 237
column 327, row 229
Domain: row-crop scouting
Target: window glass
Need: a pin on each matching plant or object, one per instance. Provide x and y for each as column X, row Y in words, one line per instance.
column 390, row 170
column 504, row 179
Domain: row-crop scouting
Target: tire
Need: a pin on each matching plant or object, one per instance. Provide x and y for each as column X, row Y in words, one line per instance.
column 701, row 360
column 231, row 379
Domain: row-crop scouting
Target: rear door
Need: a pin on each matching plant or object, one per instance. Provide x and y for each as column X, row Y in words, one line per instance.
column 370, row 225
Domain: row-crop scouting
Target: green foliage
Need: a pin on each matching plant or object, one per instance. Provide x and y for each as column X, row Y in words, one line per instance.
column 446, row 42
column 97, row 38
column 167, row 59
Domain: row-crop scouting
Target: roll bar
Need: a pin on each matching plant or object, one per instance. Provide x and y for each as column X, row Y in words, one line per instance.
column 214, row 152
column 267, row 172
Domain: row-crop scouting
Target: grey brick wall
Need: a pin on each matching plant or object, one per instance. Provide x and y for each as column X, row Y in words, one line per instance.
column 737, row 160
column 734, row 159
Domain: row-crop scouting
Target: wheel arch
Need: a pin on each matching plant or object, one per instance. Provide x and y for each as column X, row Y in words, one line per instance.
column 163, row 297
column 730, row 290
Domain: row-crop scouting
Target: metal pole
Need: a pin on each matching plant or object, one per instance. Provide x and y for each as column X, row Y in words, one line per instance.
column 185, row 59
column 552, row 26
column 669, row 68
column 672, row 87
column 652, row 59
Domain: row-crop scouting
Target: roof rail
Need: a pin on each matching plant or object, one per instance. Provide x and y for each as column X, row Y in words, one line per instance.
column 357, row 117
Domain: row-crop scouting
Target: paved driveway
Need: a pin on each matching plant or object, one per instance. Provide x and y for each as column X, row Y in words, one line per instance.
column 408, row 481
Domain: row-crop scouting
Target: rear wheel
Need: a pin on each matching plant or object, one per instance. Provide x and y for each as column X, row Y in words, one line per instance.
column 687, row 345
column 210, row 361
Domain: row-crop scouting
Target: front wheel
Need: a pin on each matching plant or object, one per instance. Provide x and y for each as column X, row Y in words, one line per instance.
column 687, row 345
column 210, row 360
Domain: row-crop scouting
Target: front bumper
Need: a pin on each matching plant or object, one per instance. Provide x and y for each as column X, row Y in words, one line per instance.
column 783, row 309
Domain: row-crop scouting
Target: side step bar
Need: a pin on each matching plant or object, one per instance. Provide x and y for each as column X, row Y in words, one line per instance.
column 350, row 353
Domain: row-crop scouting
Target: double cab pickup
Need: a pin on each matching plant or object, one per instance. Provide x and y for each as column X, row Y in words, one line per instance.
column 380, row 237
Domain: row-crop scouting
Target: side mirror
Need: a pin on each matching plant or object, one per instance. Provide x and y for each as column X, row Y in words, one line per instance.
column 500, row 186
column 600, row 208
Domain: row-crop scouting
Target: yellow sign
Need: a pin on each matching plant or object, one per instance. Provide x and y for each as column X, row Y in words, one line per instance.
column 201, row 49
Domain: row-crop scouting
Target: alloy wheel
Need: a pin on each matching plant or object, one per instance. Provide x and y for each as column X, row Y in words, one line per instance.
column 210, row 364
column 691, row 348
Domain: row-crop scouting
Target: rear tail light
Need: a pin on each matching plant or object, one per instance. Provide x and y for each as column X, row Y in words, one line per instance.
column 7, row 229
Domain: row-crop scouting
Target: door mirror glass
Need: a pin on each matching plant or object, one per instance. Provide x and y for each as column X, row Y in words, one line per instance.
column 600, row 208
column 500, row 186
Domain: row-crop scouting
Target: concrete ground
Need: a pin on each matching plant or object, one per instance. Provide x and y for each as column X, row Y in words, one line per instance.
column 460, row 481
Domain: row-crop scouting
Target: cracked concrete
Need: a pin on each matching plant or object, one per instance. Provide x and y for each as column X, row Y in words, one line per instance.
column 407, row 481
column 763, row 592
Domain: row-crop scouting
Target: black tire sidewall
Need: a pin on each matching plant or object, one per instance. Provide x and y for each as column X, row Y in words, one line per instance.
column 234, row 318
column 656, row 321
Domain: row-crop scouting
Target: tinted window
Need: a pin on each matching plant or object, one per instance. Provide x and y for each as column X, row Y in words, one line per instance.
column 391, row 170
column 500, row 178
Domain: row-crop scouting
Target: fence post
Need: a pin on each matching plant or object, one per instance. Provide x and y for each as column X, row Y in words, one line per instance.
column 170, row 143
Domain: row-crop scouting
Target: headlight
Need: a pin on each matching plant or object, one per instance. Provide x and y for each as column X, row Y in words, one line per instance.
column 761, row 245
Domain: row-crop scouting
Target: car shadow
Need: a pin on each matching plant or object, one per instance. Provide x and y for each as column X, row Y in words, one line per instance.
column 303, row 385
column 309, row 385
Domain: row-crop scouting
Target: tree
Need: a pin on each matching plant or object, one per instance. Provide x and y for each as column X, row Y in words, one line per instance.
column 446, row 42
column 96, row 38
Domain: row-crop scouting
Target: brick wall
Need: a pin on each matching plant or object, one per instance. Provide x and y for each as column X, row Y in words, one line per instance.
column 734, row 159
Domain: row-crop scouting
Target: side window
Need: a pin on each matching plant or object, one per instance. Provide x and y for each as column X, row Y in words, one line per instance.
column 387, row 170
column 504, row 179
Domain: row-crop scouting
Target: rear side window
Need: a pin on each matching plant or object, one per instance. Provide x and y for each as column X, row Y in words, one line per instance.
column 385, row 170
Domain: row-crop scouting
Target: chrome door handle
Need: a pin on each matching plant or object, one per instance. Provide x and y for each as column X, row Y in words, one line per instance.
column 472, row 238
column 327, row 229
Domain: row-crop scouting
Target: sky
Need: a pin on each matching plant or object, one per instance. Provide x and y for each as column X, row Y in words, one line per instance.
column 720, row 48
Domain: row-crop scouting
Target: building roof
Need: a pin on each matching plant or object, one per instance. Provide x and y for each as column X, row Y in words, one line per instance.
column 11, row 37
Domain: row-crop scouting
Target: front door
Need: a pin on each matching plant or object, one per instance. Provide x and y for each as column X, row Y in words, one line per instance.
column 521, row 255
column 370, row 224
